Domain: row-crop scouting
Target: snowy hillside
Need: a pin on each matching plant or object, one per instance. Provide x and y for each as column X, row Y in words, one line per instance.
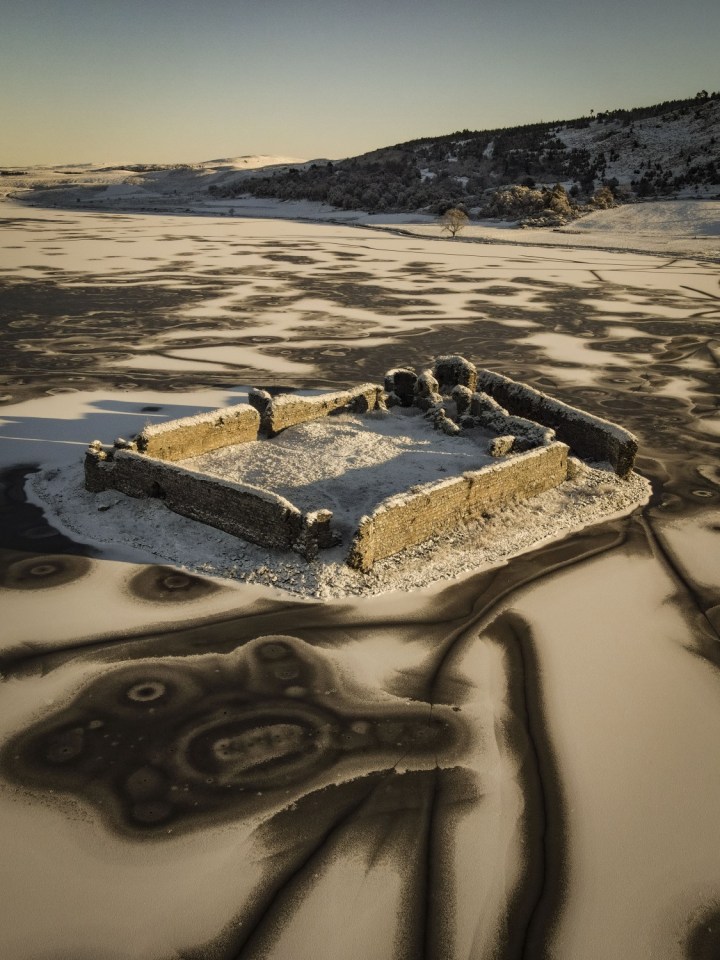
column 668, row 150
column 541, row 175
column 671, row 152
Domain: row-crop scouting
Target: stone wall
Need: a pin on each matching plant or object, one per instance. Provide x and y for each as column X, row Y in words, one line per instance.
column 254, row 514
column 526, row 434
column 451, row 371
column 408, row 519
column 590, row 437
column 192, row 436
column 146, row 468
column 288, row 409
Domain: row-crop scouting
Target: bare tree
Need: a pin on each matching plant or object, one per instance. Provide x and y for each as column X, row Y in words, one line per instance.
column 453, row 220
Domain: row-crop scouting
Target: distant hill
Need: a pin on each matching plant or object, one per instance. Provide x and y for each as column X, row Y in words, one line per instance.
column 666, row 150
column 135, row 185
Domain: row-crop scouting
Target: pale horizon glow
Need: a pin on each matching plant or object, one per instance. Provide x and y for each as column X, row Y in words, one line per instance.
column 169, row 81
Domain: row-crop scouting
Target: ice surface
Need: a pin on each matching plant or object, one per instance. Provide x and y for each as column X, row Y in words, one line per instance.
column 582, row 675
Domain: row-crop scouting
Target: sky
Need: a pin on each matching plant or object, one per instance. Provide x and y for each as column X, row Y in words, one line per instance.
column 164, row 81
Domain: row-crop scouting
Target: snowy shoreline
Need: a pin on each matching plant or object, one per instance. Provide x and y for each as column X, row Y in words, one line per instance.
column 146, row 527
column 649, row 226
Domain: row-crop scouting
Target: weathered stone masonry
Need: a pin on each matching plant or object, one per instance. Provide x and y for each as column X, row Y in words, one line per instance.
column 252, row 513
column 249, row 512
column 408, row 519
column 288, row 410
column 192, row 436
column 454, row 397
column 588, row 436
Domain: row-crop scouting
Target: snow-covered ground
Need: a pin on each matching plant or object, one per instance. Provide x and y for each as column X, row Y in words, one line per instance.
column 674, row 227
column 348, row 463
column 683, row 227
column 655, row 220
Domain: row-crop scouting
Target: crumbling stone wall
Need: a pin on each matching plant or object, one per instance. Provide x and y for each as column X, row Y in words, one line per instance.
column 400, row 386
column 288, row 409
column 252, row 513
column 192, row 436
column 590, row 437
column 146, row 467
column 408, row 519
column 488, row 413
column 452, row 371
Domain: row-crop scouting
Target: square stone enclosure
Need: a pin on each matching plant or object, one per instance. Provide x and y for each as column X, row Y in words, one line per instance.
column 530, row 433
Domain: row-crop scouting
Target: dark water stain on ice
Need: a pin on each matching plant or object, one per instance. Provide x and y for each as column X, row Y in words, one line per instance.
column 42, row 572
column 23, row 527
column 703, row 941
column 169, row 585
column 177, row 745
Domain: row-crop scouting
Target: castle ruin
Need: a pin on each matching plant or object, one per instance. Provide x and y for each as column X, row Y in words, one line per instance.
column 525, row 442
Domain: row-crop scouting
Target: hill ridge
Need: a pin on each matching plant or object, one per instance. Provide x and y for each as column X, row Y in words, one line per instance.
column 667, row 149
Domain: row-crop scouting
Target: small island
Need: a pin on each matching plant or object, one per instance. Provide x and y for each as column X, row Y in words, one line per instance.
column 376, row 468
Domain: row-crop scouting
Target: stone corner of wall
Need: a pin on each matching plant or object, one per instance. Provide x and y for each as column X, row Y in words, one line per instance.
column 588, row 435
column 315, row 533
column 99, row 466
column 362, row 550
